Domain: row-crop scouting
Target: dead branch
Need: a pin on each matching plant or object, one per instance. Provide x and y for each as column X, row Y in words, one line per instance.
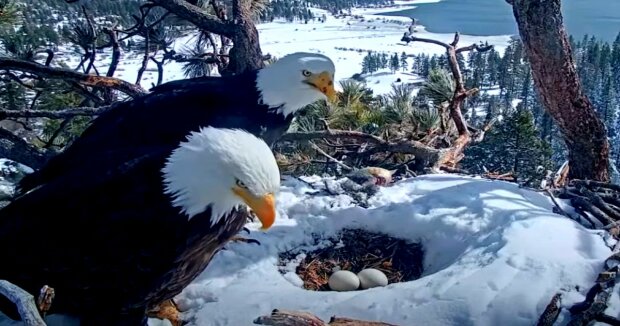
column 329, row 157
column 50, row 142
column 289, row 318
column 55, row 114
column 551, row 312
column 145, row 57
column 598, row 199
column 24, row 302
column 596, row 299
column 421, row 151
column 300, row 318
column 455, row 153
column 17, row 149
column 70, row 75
column 508, row 176
column 116, row 50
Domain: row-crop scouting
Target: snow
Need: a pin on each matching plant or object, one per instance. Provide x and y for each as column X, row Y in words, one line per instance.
column 344, row 39
column 495, row 254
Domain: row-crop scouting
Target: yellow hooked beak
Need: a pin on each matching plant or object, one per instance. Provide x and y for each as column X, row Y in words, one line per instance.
column 324, row 83
column 264, row 207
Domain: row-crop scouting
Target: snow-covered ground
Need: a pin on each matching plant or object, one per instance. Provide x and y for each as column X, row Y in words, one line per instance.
column 495, row 255
column 346, row 40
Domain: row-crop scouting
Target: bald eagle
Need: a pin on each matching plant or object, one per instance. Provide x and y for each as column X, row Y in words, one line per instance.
column 115, row 242
column 262, row 102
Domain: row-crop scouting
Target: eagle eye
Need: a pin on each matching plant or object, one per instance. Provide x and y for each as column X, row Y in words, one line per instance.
column 306, row 73
column 240, row 184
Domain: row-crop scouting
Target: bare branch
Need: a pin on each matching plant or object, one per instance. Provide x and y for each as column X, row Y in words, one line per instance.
column 197, row 16
column 70, row 75
column 145, row 57
column 54, row 114
column 329, row 157
column 551, row 312
column 473, row 47
column 428, row 40
column 17, row 149
column 421, row 151
column 50, row 142
column 24, row 302
column 116, row 50
column 300, row 318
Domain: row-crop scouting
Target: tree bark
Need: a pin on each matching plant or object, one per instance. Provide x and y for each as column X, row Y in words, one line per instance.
column 19, row 150
column 246, row 53
column 24, row 301
column 302, row 318
column 548, row 50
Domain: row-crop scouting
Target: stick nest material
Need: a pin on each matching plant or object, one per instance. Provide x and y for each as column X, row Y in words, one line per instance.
column 355, row 250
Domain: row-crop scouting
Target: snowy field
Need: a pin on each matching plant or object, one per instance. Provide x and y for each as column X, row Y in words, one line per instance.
column 346, row 40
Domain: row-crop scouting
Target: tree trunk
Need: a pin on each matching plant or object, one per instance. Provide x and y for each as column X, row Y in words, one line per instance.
column 553, row 70
column 246, row 53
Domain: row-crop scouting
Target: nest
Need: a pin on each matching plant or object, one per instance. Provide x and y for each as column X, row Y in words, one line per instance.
column 355, row 250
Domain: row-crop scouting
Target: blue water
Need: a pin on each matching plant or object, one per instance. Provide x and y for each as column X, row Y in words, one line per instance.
column 600, row 18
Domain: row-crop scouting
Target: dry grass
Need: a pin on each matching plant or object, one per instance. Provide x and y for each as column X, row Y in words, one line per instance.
column 399, row 260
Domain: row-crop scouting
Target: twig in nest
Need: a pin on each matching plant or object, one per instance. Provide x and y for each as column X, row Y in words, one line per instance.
column 329, row 157
column 595, row 303
column 559, row 210
column 301, row 318
column 551, row 312
column 24, row 302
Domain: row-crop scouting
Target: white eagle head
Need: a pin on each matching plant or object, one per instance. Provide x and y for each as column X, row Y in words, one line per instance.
column 223, row 169
column 297, row 80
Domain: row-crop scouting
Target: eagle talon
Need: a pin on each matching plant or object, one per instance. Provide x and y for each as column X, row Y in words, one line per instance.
column 246, row 230
column 167, row 310
column 246, row 240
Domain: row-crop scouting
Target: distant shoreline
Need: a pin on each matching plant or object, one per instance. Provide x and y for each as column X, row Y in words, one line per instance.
column 484, row 18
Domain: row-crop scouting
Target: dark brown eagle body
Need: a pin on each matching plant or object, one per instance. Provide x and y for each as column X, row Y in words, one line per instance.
column 110, row 255
column 164, row 117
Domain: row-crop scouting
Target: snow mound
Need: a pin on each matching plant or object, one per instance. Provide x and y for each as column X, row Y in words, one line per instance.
column 494, row 254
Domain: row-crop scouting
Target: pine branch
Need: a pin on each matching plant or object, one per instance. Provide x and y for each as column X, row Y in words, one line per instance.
column 70, row 75
column 197, row 16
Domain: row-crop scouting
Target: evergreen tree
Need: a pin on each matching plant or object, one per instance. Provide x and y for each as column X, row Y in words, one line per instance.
column 394, row 63
column 403, row 61
column 383, row 62
column 513, row 145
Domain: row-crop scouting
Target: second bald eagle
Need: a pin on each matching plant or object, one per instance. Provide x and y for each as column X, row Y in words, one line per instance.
column 262, row 102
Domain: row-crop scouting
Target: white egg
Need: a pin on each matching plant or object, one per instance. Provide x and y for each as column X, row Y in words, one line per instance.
column 370, row 278
column 343, row 281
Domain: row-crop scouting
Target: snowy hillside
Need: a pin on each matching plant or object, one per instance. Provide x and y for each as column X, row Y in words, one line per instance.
column 494, row 255
column 344, row 39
